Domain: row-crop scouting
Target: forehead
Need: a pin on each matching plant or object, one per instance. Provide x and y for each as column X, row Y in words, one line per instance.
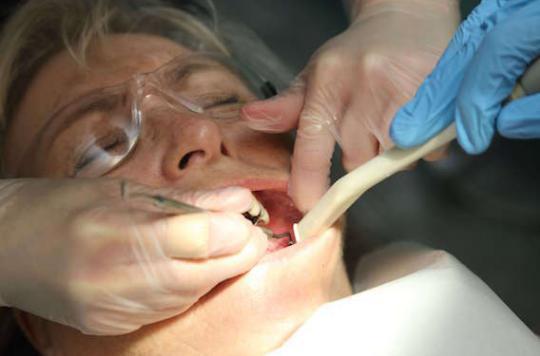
column 112, row 60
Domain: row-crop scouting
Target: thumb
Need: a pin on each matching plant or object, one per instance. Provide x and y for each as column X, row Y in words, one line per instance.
column 203, row 235
column 277, row 114
column 521, row 118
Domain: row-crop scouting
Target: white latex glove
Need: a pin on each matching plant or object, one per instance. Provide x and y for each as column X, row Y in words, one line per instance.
column 99, row 256
column 353, row 86
column 428, row 304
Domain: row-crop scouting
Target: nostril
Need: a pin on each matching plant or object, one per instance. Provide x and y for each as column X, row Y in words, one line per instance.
column 184, row 161
column 190, row 158
column 224, row 150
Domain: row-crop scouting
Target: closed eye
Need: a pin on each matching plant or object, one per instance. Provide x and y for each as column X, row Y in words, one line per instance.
column 113, row 144
column 229, row 100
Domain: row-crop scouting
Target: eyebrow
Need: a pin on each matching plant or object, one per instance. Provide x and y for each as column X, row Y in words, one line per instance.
column 109, row 100
column 182, row 75
column 102, row 102
column 189, row 69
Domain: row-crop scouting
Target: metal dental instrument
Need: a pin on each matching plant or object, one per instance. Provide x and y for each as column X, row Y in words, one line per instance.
column 176, row 206
column 169, row 204
column 344, row 192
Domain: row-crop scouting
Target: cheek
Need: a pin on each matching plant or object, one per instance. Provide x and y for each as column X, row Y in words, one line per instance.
column 267, row 150
column 143, row 167
column 144, row 163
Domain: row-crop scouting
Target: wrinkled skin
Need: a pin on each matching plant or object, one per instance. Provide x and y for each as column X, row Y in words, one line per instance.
column 251, row 314
column 73, row 250
column 352, row 87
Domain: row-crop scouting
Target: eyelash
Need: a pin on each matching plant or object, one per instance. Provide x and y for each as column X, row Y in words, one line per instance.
column 232, row 99
column 86, row 160
column 222, row 101
column 214, row 102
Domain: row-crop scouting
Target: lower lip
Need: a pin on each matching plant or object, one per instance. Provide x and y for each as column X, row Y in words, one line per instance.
column 282, row 213
column 279, row 244
column 289, row 252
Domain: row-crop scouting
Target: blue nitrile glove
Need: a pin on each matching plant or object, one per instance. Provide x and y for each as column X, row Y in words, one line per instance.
column 477, row 72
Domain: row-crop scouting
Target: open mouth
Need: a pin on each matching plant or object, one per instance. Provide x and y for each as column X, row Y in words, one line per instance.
column 278, row 215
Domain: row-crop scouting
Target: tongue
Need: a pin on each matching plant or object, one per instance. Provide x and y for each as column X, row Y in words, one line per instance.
column 283, row 214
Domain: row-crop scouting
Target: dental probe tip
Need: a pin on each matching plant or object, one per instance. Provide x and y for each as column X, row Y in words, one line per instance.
column 268, row 233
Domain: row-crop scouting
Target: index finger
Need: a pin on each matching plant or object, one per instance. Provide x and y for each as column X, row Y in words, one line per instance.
column 314, row 146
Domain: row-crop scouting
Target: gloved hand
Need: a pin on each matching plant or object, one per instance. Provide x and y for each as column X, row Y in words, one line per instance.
column 478, row 71
column 352, row 87
column 99, row 256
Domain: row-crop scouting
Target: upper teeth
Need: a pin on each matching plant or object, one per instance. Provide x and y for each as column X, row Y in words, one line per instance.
column 258, row 214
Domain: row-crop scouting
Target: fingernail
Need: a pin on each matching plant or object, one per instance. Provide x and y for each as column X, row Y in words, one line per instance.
column 252, row 112
column 228, row 233
column 259, row 110
column 400, row 129
column 266, row 124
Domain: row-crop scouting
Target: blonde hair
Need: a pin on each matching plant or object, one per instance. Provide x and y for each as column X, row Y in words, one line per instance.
column 42, row 28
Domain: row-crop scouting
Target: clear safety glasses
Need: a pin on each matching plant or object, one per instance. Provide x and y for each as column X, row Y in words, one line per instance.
column 95, row 133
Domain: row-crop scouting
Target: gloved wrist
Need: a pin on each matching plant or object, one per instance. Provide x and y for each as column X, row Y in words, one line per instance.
column 364, row 8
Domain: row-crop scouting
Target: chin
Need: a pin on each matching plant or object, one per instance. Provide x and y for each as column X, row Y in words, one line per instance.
column 249, row 315
column 252, row 314
column 261, row 309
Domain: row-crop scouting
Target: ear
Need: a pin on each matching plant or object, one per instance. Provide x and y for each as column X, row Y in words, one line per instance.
column 35, row 329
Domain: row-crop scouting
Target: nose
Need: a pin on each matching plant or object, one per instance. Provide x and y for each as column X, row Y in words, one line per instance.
column 193, row 144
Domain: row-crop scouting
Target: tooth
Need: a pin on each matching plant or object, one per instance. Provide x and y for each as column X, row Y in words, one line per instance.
column 255, row 209
column 264, row 218
column 258, row 213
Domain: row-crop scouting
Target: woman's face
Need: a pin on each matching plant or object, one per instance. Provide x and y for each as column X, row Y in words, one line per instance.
column 248, row 315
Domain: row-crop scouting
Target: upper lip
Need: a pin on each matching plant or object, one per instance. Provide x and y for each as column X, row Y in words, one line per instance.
column 257, row 184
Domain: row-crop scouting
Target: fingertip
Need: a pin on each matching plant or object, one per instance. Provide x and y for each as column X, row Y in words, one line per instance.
column 260, row 241
column 511, row 126
column 467, row 140
column 247, row 257
column 520, row 119
column 402, row 132
column 474, row 135
column 354, row 154
column 276, row 114
column 463, row 138
column 228, row 234
column 243, row 260
column 306, row 192
column 253, row 109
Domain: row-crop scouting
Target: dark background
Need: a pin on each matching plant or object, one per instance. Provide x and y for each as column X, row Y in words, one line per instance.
column 483, row 209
